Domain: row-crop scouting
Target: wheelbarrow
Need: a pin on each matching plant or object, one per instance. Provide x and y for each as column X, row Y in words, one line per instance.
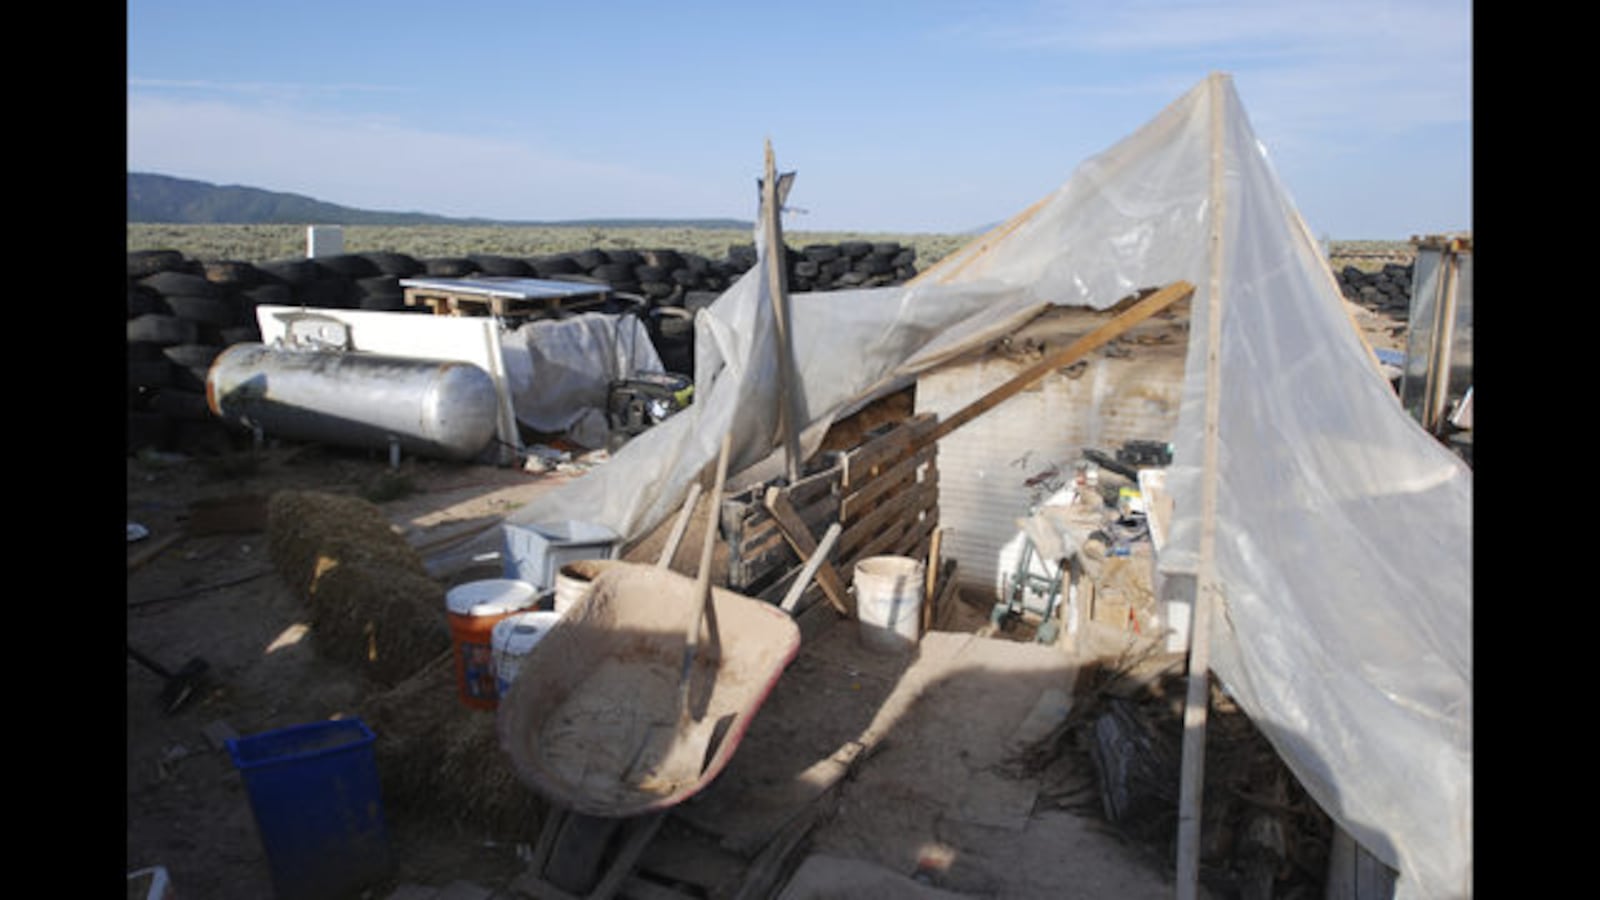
column 592, row 719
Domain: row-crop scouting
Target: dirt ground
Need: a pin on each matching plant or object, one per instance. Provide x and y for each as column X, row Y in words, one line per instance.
column 201, row 587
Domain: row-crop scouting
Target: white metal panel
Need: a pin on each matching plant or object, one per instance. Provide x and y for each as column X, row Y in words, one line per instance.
column 985, row 466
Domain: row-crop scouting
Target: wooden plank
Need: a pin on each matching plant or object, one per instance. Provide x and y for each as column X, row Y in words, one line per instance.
column 1066, row 356
column 772, row 227
column 1197, row 699
column 817, row 558
column 805, row 544
column 670, row 549
column 931, row 568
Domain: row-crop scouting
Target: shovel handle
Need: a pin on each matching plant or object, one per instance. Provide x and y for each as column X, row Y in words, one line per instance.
column 702, row 583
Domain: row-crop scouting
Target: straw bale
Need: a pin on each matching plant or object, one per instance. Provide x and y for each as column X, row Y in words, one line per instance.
column 384, row 622
column 441, row 760
column 373, row 604
column 309, row 532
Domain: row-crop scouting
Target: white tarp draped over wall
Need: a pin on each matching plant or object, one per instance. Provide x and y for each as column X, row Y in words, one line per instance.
column 1343, row 548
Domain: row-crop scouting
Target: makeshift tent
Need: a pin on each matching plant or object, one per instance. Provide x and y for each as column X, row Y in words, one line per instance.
column 1342, row 531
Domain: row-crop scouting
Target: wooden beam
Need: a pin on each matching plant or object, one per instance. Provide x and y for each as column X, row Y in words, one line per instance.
column 1191, row 778
column 776, row 277
column 805, row 546
column 824, row 547
column 1068, row 355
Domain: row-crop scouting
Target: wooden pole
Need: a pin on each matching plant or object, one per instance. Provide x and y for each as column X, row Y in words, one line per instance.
column 1191, row 781
column 805, row 546
column 777, row 286
column 1066, row 356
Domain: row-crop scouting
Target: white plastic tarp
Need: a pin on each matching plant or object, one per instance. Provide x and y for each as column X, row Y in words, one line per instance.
column 560, row 371
column 1343, row 549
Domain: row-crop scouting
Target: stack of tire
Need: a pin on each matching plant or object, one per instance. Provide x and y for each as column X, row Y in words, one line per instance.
column 1387, row 290
column 182, row 313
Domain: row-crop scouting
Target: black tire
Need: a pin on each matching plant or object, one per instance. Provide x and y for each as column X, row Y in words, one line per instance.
column 182, row 405
column 551, row 266
column 615, row 274
column 192, row 355
column 240, row 334
column 328, row 293
column 449, row 267
column 820, row 253
column 267, row 294
column 346, row 265
column 141, row 351
column 292, row 272
column 143, row 301
column 163, row 330
column 233, row 274
column 666, row 259
column 215, row 311
column 397, row 264
column 380, row 285
column 168, row 284
column 646, row 273
column 855, row 249
column 580, row 848
column 501, row 266
column 626, row 257
column 591, row 259
column 144, row 263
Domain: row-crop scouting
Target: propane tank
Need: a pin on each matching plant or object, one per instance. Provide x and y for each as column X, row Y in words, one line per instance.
column 439, row 408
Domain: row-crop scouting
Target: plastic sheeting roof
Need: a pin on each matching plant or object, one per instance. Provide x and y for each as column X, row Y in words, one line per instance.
column 1343, row 552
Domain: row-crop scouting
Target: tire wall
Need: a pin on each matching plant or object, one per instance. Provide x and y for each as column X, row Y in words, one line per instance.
column 182, row 312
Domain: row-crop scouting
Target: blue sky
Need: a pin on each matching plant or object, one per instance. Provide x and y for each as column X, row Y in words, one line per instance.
column 926, row 116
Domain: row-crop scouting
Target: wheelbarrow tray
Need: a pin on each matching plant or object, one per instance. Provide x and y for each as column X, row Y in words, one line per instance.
column 593, row 720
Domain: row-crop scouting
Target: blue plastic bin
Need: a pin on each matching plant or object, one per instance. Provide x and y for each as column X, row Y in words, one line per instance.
column 314, row 792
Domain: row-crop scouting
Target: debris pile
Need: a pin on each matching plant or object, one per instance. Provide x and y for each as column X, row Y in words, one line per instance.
column 1261, row 834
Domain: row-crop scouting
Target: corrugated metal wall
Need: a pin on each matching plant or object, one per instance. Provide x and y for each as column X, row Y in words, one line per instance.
column 985, row 467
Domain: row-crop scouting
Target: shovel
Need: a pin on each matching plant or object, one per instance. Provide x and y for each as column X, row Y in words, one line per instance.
column 663, row 769
column 181, row 685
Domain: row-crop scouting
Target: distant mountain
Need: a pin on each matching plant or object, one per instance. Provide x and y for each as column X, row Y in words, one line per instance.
column 158, row 199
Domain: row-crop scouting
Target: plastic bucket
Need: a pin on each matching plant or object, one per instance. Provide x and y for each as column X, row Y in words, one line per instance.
column 574, row 581
column 514, row 638
column 314, row 792
column 474, row 609
column 889, row 602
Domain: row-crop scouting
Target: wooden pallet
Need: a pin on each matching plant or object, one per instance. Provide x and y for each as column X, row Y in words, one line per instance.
column 883, row 493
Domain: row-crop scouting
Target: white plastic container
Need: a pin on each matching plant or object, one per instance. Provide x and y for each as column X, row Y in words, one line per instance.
column 574, row 581
column 889, row 602
column 535, row 553
column 514, row 638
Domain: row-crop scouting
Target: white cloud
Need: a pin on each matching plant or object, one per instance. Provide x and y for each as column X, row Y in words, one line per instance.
column 375, row 163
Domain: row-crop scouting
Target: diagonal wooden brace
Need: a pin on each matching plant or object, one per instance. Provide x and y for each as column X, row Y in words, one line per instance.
column 805, row 546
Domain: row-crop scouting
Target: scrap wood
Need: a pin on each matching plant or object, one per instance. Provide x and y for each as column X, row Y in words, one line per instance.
column 816, row 560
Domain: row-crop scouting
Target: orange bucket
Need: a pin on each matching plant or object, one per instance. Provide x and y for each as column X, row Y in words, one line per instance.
column 474, row 608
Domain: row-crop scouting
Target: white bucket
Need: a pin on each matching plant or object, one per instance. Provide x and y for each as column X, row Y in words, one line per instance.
column 514, row 638
column 574, row 581
column 889, row 602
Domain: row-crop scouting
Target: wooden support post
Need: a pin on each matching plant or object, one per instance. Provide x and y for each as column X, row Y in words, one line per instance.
column 1066, row 356
column 1197, row 701
column 805, row 546
column 777, row 277
column 932, row 580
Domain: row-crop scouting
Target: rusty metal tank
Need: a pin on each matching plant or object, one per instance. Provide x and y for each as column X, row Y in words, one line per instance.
column 435, row 408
